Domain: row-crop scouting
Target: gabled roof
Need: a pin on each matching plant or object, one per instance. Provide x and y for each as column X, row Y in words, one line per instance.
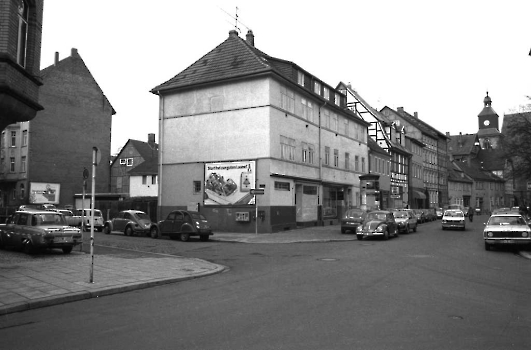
column 75, row 62
column 462, row 145
column 493, row 159
column 149, row 167
column 145, row 150
column 424, row 127
column 457, row 175
column 474, row 169
column 374, row 147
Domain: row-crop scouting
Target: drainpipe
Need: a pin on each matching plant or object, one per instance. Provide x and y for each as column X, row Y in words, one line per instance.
column 320, row 165
column 161, row 138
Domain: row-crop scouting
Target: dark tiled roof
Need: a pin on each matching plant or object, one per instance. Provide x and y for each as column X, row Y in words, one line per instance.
column 145, row 150
column 149, row 167
column 487, row 111
column 488, row 132
column 461, row 145
column 424, row 127
column 457, row 175
column 474, row 169
column 493, row 159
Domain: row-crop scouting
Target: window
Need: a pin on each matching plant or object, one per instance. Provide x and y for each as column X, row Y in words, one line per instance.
column 197, row 187
column 123, row 161
column 337, row 100
column 304, row 152
column 300, row 78
column 327, row 156
column 22, row 191
column 282, row 186
column 13, row 138
column 326, row 93
column 310, row 190
column 346, row 127
column 23, row 11
column 12, row 164
column 362, row 164
column 334, row 122
column 287, row 100
column 154, row 179
column 347, row 160
column 25, row 138
column 317, row 87
column 336, row 158
column 23, row 164
column 326, row 122
column 129, row 161
column 311, row 153
column 287, row 148
column 356, row 163
column 144, row 179
column 307, row 110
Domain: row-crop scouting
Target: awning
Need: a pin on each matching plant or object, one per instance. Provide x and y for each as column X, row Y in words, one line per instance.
column 419, row 194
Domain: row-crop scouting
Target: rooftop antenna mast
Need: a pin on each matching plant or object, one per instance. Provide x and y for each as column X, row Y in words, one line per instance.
column 235, row 19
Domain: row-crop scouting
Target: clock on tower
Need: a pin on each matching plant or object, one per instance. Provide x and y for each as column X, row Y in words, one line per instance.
column 488, row 118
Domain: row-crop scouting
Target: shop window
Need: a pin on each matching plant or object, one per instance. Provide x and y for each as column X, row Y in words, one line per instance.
column 282, row 186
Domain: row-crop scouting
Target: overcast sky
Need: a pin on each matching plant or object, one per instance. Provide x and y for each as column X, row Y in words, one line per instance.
column 434, row 58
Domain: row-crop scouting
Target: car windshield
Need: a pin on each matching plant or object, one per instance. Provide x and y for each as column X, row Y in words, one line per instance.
column 507, row 220
column 355, row 214
column 142, row 216
column 197, row 216
column 453, row 214
column 48, row 219
column 376, row 216
column 400, row 214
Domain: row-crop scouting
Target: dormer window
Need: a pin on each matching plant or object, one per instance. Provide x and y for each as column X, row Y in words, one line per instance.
column 300, row 78
column 326, row 93
column 337, row 100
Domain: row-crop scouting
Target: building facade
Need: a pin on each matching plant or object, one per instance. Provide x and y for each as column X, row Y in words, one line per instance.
column 43, row 160
column 20, row 59
column 239, row 120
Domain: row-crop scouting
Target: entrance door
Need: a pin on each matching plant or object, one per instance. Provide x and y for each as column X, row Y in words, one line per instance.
column 298, row 202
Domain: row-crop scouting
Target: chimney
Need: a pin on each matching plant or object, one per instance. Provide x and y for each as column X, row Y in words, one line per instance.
column 74, row 53
column 460, row 139
column 400, row 109
column 416, row 115
column 250, row 37
column 233, row 32
column 151, row 140
column 447, row 133
column 56, row 58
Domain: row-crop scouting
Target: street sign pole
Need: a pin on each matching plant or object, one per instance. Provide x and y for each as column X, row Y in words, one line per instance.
column 95, row 159
column 255, row 192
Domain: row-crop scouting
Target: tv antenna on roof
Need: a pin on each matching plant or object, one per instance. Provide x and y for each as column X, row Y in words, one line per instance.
column 235, row 18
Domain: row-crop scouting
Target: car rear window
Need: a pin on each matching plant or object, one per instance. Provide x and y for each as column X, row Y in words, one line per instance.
column 400, row 214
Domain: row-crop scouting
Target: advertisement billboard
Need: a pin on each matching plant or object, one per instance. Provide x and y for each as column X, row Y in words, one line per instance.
column 42, row 192
column 229, row 183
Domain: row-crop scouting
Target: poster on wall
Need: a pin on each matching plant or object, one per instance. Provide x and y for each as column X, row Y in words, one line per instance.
column 42, row 192
column 229, row 183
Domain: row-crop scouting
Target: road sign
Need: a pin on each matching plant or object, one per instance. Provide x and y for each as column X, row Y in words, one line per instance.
column 256, row 191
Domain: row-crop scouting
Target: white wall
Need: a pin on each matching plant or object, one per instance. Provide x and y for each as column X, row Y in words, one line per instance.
column 137, row 189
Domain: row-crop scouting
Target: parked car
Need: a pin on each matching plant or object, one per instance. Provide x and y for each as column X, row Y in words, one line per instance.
column 453, row 218
column 183, row 224
column 465, row 211
column 507, row 228
column 430, row 215
column 405, row 220
column 130, row 222
column 439, row 212
column 352, row 219
column 378, row 223
column 69, row 216
column 83, row 219
column 35, row 230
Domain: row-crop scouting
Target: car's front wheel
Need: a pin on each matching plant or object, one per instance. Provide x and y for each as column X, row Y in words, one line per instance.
column 386, row 234
column 185, row 237
column 107, row 229
column 487, row 246
column 359, row 237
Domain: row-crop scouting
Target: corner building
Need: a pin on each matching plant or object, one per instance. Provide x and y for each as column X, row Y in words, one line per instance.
column 238, row 119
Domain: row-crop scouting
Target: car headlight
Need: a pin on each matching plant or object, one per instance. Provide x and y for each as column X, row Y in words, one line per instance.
column 380, row 228
column 525, row 234
column 489, row 234
column 359, row 228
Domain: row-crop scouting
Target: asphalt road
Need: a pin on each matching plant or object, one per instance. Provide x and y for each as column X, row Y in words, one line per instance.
column 432, row 289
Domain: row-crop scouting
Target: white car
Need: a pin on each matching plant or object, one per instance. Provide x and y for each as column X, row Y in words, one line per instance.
column 506, row 229
column 453, row 218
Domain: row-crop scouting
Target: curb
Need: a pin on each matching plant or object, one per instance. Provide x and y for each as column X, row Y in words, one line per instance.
column 77, row 296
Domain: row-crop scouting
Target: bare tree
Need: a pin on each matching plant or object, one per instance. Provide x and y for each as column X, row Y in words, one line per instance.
column 516, row 143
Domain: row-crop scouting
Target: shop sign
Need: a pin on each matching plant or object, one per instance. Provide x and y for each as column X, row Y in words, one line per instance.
column 229, row 183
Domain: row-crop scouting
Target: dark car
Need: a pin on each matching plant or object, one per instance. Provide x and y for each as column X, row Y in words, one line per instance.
column 378, row 223
column 130, row 222
column 36, row 230
column 352, row 219
column 421, row 218
column 405, row 220
column 182, row 224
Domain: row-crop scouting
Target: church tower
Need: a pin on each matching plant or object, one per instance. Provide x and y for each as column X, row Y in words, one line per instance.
column 489, row 130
